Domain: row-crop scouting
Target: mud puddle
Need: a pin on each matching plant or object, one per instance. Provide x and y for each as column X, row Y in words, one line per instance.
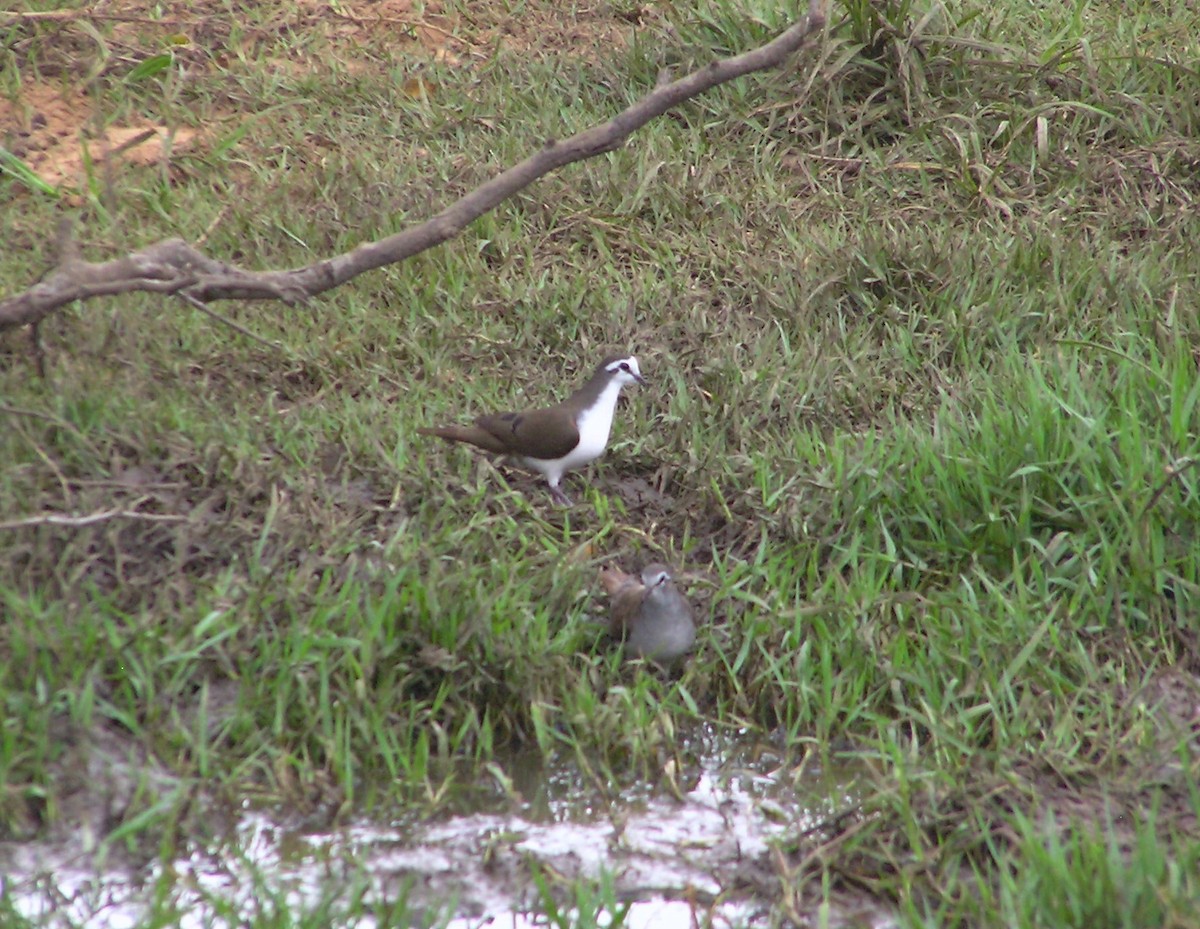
column 678, row 855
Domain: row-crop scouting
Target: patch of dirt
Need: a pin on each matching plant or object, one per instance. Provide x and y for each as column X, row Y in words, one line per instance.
column 54, row 132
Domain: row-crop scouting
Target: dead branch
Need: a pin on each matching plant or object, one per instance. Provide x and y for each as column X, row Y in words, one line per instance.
column 75, row 522
column 174, row 267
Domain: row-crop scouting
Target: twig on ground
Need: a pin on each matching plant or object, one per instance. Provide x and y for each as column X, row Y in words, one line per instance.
column 224, row 320
column 75, row 522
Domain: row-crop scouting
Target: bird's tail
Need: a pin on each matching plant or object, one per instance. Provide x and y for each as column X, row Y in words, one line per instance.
column 472, row 435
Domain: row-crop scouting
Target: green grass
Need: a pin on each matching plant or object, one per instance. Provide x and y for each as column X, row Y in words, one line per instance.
column 919, row 315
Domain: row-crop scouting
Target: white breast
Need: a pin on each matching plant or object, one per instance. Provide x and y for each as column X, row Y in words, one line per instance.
column 594, row 426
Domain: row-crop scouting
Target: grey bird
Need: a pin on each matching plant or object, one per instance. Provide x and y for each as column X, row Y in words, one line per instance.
column 649, row 613
column 559, row 438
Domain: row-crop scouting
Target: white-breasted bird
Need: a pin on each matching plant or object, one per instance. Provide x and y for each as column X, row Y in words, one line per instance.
column 559, row 438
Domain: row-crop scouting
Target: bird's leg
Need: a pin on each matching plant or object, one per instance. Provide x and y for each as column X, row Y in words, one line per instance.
column 559, row 497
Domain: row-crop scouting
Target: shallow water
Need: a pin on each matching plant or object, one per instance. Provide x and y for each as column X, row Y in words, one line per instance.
column 674, row 860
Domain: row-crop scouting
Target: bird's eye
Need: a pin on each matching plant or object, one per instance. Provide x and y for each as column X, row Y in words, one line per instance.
column 624, row 366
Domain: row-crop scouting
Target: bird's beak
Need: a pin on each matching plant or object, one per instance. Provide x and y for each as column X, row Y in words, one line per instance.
column 641, row 380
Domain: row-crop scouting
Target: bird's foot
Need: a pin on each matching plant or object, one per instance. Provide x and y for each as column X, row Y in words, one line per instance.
column 559, row 497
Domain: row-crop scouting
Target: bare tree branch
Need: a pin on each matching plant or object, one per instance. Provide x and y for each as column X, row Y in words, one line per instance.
column 75, row 522
column 174, row 267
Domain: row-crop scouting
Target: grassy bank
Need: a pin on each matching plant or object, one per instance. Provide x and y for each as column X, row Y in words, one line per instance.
column 920, row 319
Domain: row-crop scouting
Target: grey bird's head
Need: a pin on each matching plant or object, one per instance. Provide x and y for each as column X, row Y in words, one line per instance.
column 654, row 575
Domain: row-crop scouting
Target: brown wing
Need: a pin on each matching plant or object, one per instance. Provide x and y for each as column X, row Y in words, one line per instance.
column 546, row 434
column 627, row 594
column 613, row 579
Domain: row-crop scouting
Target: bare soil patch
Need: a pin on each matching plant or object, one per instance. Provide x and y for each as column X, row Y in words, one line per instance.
column 57, row 133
